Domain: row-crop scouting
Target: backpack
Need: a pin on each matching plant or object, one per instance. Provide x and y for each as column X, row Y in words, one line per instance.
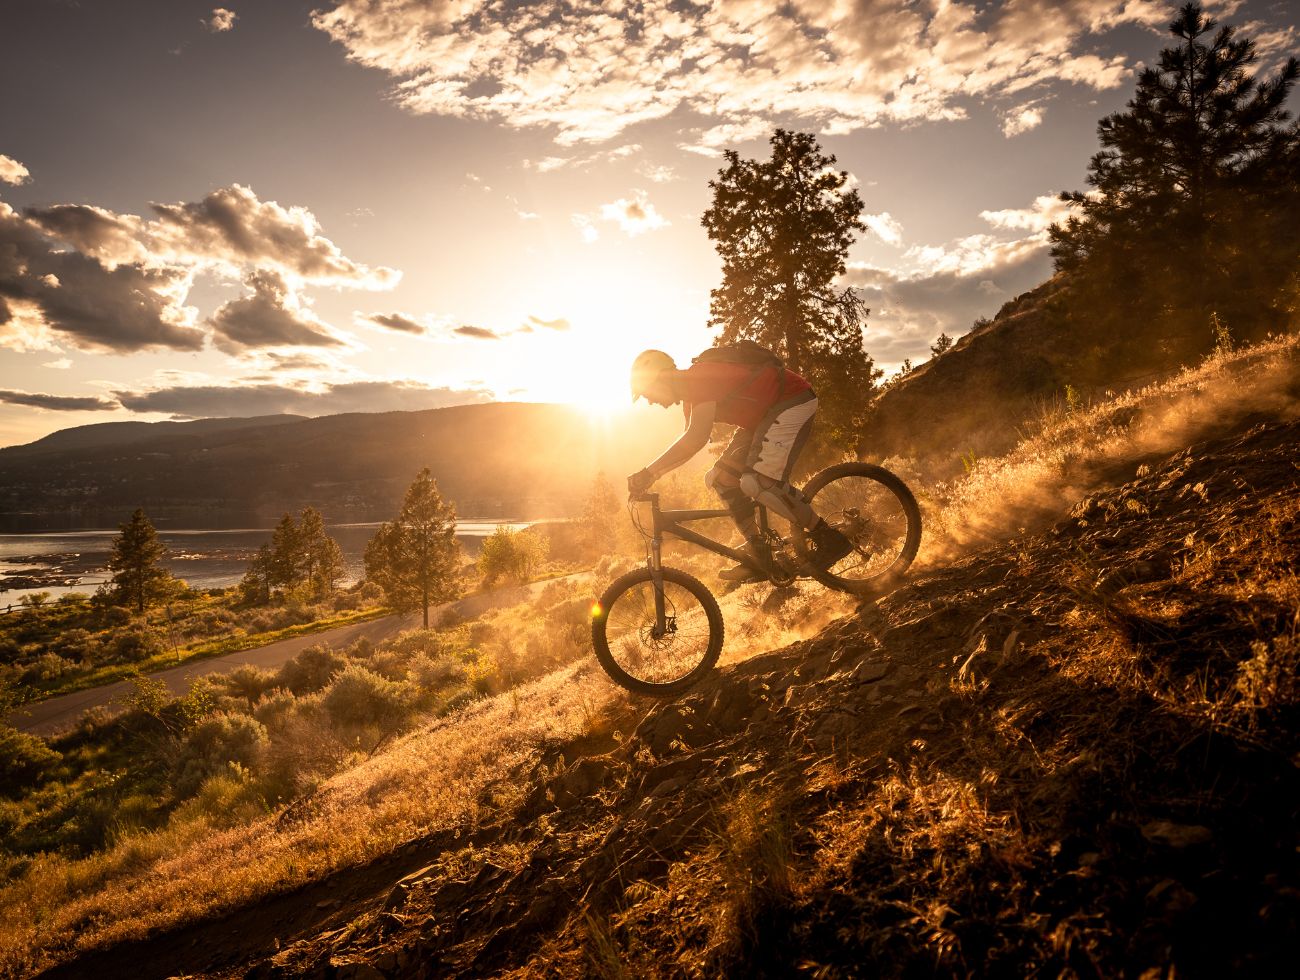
column 744, row 352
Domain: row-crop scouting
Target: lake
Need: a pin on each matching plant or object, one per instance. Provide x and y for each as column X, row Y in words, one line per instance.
column 76, row 561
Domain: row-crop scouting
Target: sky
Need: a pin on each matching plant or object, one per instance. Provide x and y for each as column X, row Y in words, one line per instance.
column 377, row 205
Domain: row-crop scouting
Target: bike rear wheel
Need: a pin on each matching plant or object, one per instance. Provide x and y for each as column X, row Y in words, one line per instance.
column 876, row 511
column 624, row 635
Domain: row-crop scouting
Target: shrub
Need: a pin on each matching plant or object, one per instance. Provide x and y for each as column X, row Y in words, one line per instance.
column 359, row 697
column 24, row 760
column 248, row 682
column 114, row 615
column 46, row 667
column 433, row 673
column 135, row 643
column 311, row 670
column 274, row 708
column 226, row 798
column 216, row 742
column 77, row 644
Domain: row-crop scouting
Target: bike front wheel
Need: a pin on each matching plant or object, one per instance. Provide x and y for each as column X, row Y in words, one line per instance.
column 640, row 656
column 876, row 511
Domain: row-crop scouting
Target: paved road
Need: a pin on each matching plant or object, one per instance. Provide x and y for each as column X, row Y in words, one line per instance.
column 55, row 715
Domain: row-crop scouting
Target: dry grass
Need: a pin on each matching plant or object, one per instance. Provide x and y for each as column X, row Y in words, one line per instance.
column 434, row 778
column 1071, row 452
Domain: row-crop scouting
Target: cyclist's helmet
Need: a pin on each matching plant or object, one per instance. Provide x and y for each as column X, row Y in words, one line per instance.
column 649, row 364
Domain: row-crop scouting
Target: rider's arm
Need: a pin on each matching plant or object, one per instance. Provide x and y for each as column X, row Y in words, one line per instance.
column 690, row 442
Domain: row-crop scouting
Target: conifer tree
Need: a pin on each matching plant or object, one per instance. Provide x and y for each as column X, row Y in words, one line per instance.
column 415, row 559
column 138, row 577
column 783, row 228
column 598, row 515
column 320, row 557
column 1195, row 192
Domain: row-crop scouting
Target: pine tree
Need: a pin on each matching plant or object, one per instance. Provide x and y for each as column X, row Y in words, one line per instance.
column 138, row 577
column 598, row 515
column 1195, row 192
column 783, row 228
column 320, row 557
column 415, row 559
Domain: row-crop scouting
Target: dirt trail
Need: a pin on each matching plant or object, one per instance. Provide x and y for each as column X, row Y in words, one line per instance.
column 59, row 714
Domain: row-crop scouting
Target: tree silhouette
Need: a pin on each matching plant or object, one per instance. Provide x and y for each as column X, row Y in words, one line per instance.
column 1195, row 194
column 942, row 345
column 783, row 228
column 415, row 558
column 137, row 577
column 598, row 515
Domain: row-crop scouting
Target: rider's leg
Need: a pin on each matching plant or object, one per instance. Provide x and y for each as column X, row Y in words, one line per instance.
column 724, row 479
column 773, row 453
column 778, row 496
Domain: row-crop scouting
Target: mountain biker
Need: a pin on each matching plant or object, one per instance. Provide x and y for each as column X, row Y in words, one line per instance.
column 773, row 408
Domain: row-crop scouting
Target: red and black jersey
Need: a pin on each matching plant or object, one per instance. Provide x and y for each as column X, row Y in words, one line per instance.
column 743, row 396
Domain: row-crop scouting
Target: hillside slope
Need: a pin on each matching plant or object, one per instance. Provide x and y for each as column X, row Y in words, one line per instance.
column 995, row 384
column 1069, row 753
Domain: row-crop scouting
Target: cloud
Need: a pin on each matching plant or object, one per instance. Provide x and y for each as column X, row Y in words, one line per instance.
column 55, row 403
column 121, row 308
column 944, row 288
column 557, row 324
column 658, row 174
column 634, row 216
column 273, row 316
column 1046, row 210
column 885, row 227
column 119, row 282
column 12, row 172
column 585, row 227
column 1021, row 119
column 476, row 333
column 221, row 20
column 588, row 69
column 232, row 401
column 230, row 226
column 62, row 364
column 401, row 322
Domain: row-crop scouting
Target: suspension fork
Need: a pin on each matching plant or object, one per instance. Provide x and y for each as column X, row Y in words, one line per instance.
column 657, row 580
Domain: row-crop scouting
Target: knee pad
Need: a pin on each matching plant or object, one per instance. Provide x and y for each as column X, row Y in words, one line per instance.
column 751, row 485
column 742, row 507
column 778, row 496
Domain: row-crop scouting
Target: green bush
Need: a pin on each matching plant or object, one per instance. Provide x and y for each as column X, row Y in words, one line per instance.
column 47, row 667
column 24, row 760
column 213, row 744
column 77, row 644
column 311, row 670
column 359, row 698
column 247, row 682
column 135, row 643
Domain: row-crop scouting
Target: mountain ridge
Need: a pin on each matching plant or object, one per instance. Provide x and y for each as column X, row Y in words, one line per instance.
column 507, row 459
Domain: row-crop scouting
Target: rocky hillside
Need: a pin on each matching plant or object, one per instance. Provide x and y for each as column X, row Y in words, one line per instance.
column 993, row 387
column 1068, row 754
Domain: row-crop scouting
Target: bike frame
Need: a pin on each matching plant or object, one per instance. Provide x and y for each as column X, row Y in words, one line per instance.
column 670, row 522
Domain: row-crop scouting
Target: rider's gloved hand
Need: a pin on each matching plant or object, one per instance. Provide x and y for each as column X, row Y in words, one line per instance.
column 640, row 481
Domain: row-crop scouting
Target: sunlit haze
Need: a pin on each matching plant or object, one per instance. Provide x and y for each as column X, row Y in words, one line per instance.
column 321, row 207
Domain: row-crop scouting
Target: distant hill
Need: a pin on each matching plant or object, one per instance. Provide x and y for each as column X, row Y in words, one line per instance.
column 495, row 460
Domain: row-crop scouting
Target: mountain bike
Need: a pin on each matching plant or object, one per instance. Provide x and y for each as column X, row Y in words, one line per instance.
column 658, row 630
